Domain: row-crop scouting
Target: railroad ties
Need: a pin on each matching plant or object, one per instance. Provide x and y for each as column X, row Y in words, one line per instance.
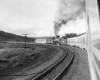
column 56, row 71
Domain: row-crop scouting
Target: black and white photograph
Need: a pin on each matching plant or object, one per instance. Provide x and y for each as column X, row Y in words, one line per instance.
column 49, row 40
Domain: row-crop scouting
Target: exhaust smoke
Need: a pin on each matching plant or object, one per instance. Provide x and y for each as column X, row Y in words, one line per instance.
column 68, row 10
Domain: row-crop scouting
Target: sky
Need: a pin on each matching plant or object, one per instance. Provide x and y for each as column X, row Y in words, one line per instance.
column 36, row 17
column 74, row 26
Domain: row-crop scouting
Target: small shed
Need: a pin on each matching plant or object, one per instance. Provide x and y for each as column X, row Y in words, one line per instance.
column 44, row 40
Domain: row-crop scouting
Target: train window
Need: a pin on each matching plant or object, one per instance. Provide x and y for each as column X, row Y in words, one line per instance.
column 93, row 36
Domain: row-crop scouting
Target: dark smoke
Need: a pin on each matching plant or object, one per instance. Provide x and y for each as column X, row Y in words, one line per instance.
column 68, row 10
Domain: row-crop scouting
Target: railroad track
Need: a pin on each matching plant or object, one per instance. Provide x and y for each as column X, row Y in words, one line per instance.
column 55, row 72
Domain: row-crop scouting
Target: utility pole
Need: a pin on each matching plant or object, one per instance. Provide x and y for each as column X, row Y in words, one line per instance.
column 25, row 39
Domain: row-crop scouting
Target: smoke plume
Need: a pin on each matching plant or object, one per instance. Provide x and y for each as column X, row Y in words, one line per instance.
column 68, row 10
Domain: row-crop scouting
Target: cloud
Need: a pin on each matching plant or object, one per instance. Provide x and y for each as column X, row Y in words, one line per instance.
column 27, row 16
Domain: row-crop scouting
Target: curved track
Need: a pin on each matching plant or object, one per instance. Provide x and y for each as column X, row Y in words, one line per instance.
column 55, row 71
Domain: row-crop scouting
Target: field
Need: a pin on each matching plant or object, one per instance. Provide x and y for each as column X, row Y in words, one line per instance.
column 14, row 54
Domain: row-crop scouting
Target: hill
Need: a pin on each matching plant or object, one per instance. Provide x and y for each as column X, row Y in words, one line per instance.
column 5, row 36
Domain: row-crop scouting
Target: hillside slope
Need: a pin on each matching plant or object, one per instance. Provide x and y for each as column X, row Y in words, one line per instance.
column 5, row 36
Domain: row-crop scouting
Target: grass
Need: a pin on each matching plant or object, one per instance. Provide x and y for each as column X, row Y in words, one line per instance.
column 13, row 54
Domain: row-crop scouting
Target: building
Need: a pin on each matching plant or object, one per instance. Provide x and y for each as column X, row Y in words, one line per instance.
column 44, row 40
column 40, row 41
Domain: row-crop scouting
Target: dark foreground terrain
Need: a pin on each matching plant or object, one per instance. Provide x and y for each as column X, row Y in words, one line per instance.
column 14, row 58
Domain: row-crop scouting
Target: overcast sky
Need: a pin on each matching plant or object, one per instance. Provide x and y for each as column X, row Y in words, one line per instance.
column 36, row 17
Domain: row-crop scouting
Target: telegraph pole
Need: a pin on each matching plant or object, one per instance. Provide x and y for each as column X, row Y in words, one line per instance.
column 25, row 39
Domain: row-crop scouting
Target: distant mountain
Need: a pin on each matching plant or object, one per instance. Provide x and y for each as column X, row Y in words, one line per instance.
column 5, row 36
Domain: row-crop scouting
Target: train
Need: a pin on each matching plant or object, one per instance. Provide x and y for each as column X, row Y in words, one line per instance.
column 55, row 41
column 60, row 41
column 92, row 48
column 80, row 41
column 74, row 41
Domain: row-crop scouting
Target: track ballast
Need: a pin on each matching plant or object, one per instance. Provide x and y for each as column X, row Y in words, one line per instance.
column 55, row 72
